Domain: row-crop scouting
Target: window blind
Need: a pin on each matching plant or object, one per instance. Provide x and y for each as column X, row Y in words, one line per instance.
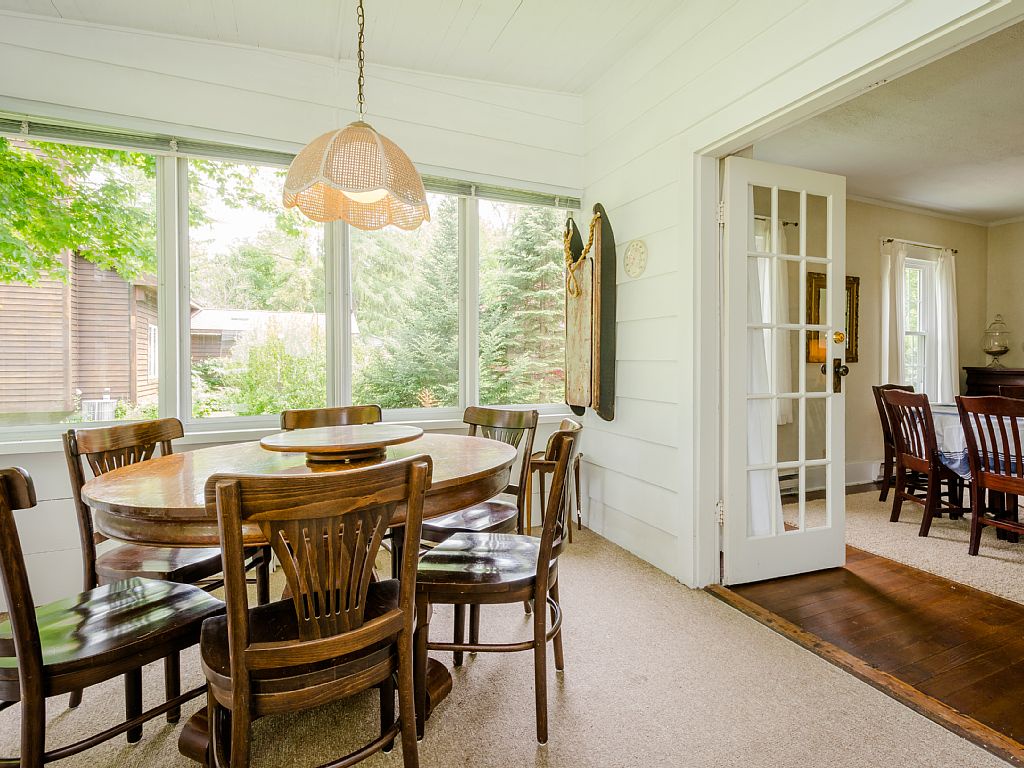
column 48, row 130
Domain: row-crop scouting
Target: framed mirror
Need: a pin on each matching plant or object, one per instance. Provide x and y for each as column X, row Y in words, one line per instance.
column 816, row 343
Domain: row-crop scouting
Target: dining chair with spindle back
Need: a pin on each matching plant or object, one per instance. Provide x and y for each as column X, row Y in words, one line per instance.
column 85, row 639
column 543, row 463
column 995, row 452
column 340, row 631
column 913, row 429
column 486, row 569
column 1014, row 391
column 888, row 444
column 105, row 449
column 340, row 416
column 516, row 428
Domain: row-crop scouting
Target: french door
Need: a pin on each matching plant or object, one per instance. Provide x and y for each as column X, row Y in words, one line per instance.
column 784, row 358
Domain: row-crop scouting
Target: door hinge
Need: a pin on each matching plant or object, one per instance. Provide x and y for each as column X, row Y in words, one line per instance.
column 720, row 218
column 720, row 511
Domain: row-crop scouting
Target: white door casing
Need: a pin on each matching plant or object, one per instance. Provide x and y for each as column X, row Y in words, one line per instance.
column 784, row 430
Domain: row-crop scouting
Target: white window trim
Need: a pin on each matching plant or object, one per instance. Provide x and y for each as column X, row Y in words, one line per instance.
column 174, row 370
column 928, row 322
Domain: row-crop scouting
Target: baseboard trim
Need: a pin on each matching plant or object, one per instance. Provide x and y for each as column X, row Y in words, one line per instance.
column 860, row 472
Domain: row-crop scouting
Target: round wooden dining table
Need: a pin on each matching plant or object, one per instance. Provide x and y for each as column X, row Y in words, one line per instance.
column 164, row 501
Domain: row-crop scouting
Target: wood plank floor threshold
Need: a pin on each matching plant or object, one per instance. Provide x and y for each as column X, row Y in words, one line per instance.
column 939, row 712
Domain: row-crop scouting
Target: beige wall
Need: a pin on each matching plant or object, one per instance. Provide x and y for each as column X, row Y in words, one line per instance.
column 1005, row 281
column 865, row 225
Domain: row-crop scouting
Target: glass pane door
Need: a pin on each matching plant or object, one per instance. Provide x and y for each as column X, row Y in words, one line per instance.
column 785, row 289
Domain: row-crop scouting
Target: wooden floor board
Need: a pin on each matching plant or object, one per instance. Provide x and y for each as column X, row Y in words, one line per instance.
column 951, row 652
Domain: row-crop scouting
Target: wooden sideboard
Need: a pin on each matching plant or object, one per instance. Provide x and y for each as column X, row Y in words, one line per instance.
column 986, row 381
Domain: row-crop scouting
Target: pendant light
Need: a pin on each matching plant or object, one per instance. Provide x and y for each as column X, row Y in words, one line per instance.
column 357, row 175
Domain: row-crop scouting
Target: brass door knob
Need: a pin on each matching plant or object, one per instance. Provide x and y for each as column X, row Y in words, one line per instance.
column 839, row 337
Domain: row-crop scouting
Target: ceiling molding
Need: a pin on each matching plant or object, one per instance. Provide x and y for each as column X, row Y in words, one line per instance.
column 1011, row 220
column 910, row 208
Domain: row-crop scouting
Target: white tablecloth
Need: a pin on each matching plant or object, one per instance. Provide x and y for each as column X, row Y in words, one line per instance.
column 949, row 435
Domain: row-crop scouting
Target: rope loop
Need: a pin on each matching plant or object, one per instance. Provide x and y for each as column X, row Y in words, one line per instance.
column 572, row 283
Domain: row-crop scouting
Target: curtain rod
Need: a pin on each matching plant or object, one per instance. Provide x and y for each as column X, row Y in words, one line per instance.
column 783, row 222
column 919, row 245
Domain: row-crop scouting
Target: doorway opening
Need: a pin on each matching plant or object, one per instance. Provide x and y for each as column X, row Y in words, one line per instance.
column 934, row 231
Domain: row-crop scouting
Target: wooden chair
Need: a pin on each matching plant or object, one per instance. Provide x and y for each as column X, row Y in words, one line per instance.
column 83, row 640
column 1014, row 391
column 476, row 569
column 992, row 427
column 105, row 449
column 543, row 463
column 341, row 631
column 517, row 428
column 913, row 431
column 310, row 418
column 888, row 445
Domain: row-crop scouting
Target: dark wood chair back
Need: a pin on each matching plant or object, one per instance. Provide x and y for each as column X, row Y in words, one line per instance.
column 555, row 532
column 341, row 416
column 566, row 427
column 514, row 427
column 1015, row 391
column 326, row 530
column 883, row 416
column 105, row 449
column 913, row 429
column 18, row 492
column 992, row 427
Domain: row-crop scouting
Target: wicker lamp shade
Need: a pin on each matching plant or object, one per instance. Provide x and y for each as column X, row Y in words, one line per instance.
column 359, row 176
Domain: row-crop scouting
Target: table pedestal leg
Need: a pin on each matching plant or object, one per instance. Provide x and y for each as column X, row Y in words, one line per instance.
column 439, row 684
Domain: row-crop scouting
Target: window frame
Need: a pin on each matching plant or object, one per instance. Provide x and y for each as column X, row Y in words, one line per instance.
column 153, row 360
column 927, row 323
column 173, row 359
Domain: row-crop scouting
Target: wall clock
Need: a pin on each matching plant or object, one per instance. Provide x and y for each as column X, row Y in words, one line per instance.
column 635, row 260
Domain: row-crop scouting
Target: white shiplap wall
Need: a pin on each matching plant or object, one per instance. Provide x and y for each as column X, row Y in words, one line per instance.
column 279, row 100
column 711, row 73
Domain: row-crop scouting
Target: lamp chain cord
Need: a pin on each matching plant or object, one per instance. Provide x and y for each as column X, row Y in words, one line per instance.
column 361, row 17
column 572, row 283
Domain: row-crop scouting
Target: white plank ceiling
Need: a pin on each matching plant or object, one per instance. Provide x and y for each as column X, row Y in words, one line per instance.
column 561, row 45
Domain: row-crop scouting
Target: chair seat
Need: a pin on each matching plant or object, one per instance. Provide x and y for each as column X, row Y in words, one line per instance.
column 126, row 623
column 492, row 516
column 182, row 565
column 276, row 622
column 498, row 562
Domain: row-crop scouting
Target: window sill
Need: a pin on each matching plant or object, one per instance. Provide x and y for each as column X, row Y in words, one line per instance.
column 240, row 434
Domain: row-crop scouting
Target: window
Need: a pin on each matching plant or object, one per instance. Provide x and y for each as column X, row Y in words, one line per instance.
column 257, row 328
column 522, row 304
column 78, row 289
column 271, row 310
column 405, row 312
column 153, row 352
column 920, row 334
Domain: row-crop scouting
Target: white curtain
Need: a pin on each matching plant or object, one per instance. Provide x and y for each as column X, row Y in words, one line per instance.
column 948, row 330
column 894, row 258
column 780, row 311
column 942, row 379
column 764, row 493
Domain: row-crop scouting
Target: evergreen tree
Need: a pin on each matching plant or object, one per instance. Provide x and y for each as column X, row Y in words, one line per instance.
column 418, row 366
column 522, row 317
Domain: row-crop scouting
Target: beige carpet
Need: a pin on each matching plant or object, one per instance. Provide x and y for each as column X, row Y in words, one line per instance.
column 656, row 675
column 998, row 567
